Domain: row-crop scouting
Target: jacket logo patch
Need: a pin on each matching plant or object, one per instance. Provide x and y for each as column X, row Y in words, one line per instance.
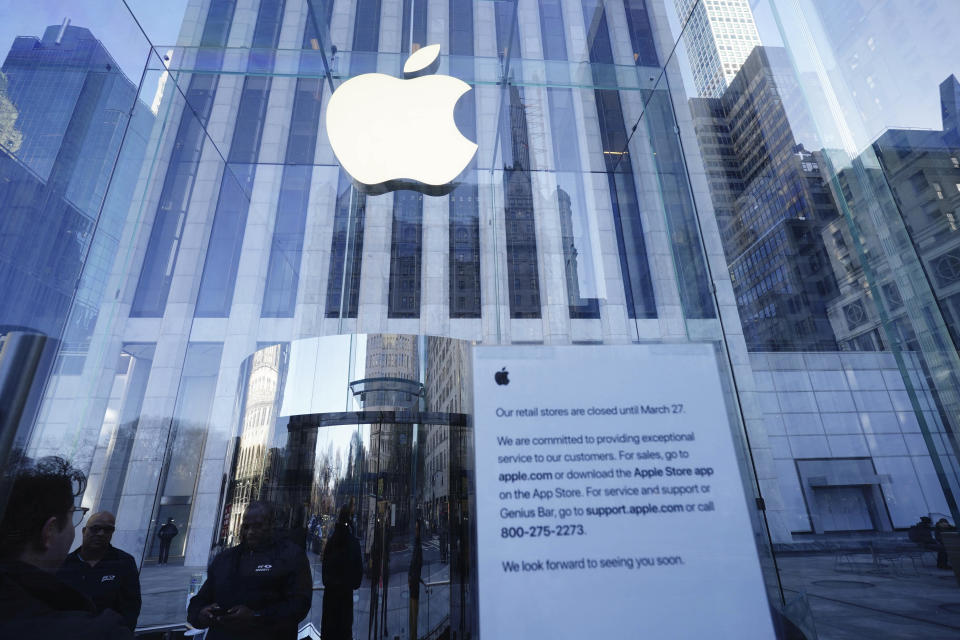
column 264, row 567
column 108, row 578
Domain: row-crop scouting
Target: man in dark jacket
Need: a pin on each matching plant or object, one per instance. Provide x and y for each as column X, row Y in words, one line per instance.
column 258, row 590
column 35, row 537
column 414, row 579
column 342, row 574
column 103, row 573
column 166, row 533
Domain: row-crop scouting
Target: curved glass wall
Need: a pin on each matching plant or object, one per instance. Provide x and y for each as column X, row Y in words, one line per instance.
column 777, row 178
column 378, row 423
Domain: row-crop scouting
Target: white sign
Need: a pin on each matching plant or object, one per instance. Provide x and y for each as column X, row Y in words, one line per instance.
column 609, row 500
column 391, row 133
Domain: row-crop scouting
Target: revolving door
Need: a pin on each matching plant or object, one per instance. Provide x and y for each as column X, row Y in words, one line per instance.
column 379, row 424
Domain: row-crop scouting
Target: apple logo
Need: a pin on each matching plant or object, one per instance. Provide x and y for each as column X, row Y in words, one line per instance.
column 501, row 376
column 390, row 133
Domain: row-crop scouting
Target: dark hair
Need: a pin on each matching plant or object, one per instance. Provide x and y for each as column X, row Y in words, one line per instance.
column 40, row 490
column 260, row 505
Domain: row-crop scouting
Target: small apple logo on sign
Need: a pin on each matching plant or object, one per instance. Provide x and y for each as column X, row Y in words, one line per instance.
column 391, row 134
column 501, row 376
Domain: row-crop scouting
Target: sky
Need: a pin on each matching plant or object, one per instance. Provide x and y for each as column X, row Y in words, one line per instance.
column 907, row 47
column 110, row 21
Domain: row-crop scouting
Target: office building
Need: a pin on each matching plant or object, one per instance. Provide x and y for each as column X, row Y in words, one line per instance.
column 772, row 202
column 922, row 169
column 719, row 35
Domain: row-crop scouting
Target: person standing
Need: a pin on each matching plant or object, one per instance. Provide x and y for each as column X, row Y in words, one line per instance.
column 35, row 537
column 103, row 573
column 376, row 566
column 413, row 580
column 342, row 574
column 259, row 590
column 166, row 534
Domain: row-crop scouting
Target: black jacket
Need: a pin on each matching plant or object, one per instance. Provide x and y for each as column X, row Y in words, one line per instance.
column 113, row 583
column 168, row 532
column 35, row 604
column 275, row 582
column 342, row 561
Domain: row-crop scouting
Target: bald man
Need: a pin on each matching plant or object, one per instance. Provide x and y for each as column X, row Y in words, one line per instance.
column 103, row 573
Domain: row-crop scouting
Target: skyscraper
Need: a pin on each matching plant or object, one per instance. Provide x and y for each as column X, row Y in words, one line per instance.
column 67, row 113
column 772, row 203
column 68, row 106
column 719, row 35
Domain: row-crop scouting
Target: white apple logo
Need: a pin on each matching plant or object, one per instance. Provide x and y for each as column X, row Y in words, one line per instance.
column 391, row 134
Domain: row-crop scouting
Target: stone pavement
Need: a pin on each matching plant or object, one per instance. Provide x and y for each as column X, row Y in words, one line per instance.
column 902, row 600
column 850, row 600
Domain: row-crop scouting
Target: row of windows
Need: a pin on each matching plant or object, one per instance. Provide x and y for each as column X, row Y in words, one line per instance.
column 218, row 280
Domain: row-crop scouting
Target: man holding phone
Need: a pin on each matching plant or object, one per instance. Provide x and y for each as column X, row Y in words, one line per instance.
column 258, row 590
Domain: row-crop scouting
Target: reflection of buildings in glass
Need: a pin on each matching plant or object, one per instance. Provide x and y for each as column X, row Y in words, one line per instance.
column 569, row 249
column 719, row 36
column 882, row 87
column 391, row 383
column 64, row 109
column 773, row 195
column 256, row 434
column 390, row 356
column 446, row 361
column 521, row 235
column 922, row 170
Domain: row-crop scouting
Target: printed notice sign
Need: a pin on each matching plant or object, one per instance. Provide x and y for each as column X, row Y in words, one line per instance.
column 609, row 500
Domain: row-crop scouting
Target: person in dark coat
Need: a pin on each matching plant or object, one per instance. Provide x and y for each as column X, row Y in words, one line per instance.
column 35, row 537
column 413, row 580
column 376, row 566
column 259, row 590
column 943, row 560
column 166, row 533
column 342, row 574
column 103, row 573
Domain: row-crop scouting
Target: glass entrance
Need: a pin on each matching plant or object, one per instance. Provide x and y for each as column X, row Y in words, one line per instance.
column 396, row 459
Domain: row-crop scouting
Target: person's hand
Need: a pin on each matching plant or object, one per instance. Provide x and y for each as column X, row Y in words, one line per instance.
column 238, row 616
column 208, row 615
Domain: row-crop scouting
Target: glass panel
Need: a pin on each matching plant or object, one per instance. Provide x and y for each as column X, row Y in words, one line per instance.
column 202, row 307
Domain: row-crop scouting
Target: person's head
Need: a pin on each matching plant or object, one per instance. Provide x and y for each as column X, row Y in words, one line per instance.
column 257, row 528
column 344, row 516
column 38, row 523
column 98, row 532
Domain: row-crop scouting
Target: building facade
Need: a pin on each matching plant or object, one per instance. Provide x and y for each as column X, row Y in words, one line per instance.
column 719, row 35
column 772, row 203
column 249, row 233
column 239, row 319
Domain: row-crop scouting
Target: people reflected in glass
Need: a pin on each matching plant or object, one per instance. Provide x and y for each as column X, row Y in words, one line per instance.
column 166, row 533
column 414, row 579
column 258, row 590
column 342, row 573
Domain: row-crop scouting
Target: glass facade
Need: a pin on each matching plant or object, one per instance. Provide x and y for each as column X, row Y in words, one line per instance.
column 202, row 308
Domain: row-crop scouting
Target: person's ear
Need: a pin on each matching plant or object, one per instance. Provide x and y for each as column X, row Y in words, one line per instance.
column 51, row 528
